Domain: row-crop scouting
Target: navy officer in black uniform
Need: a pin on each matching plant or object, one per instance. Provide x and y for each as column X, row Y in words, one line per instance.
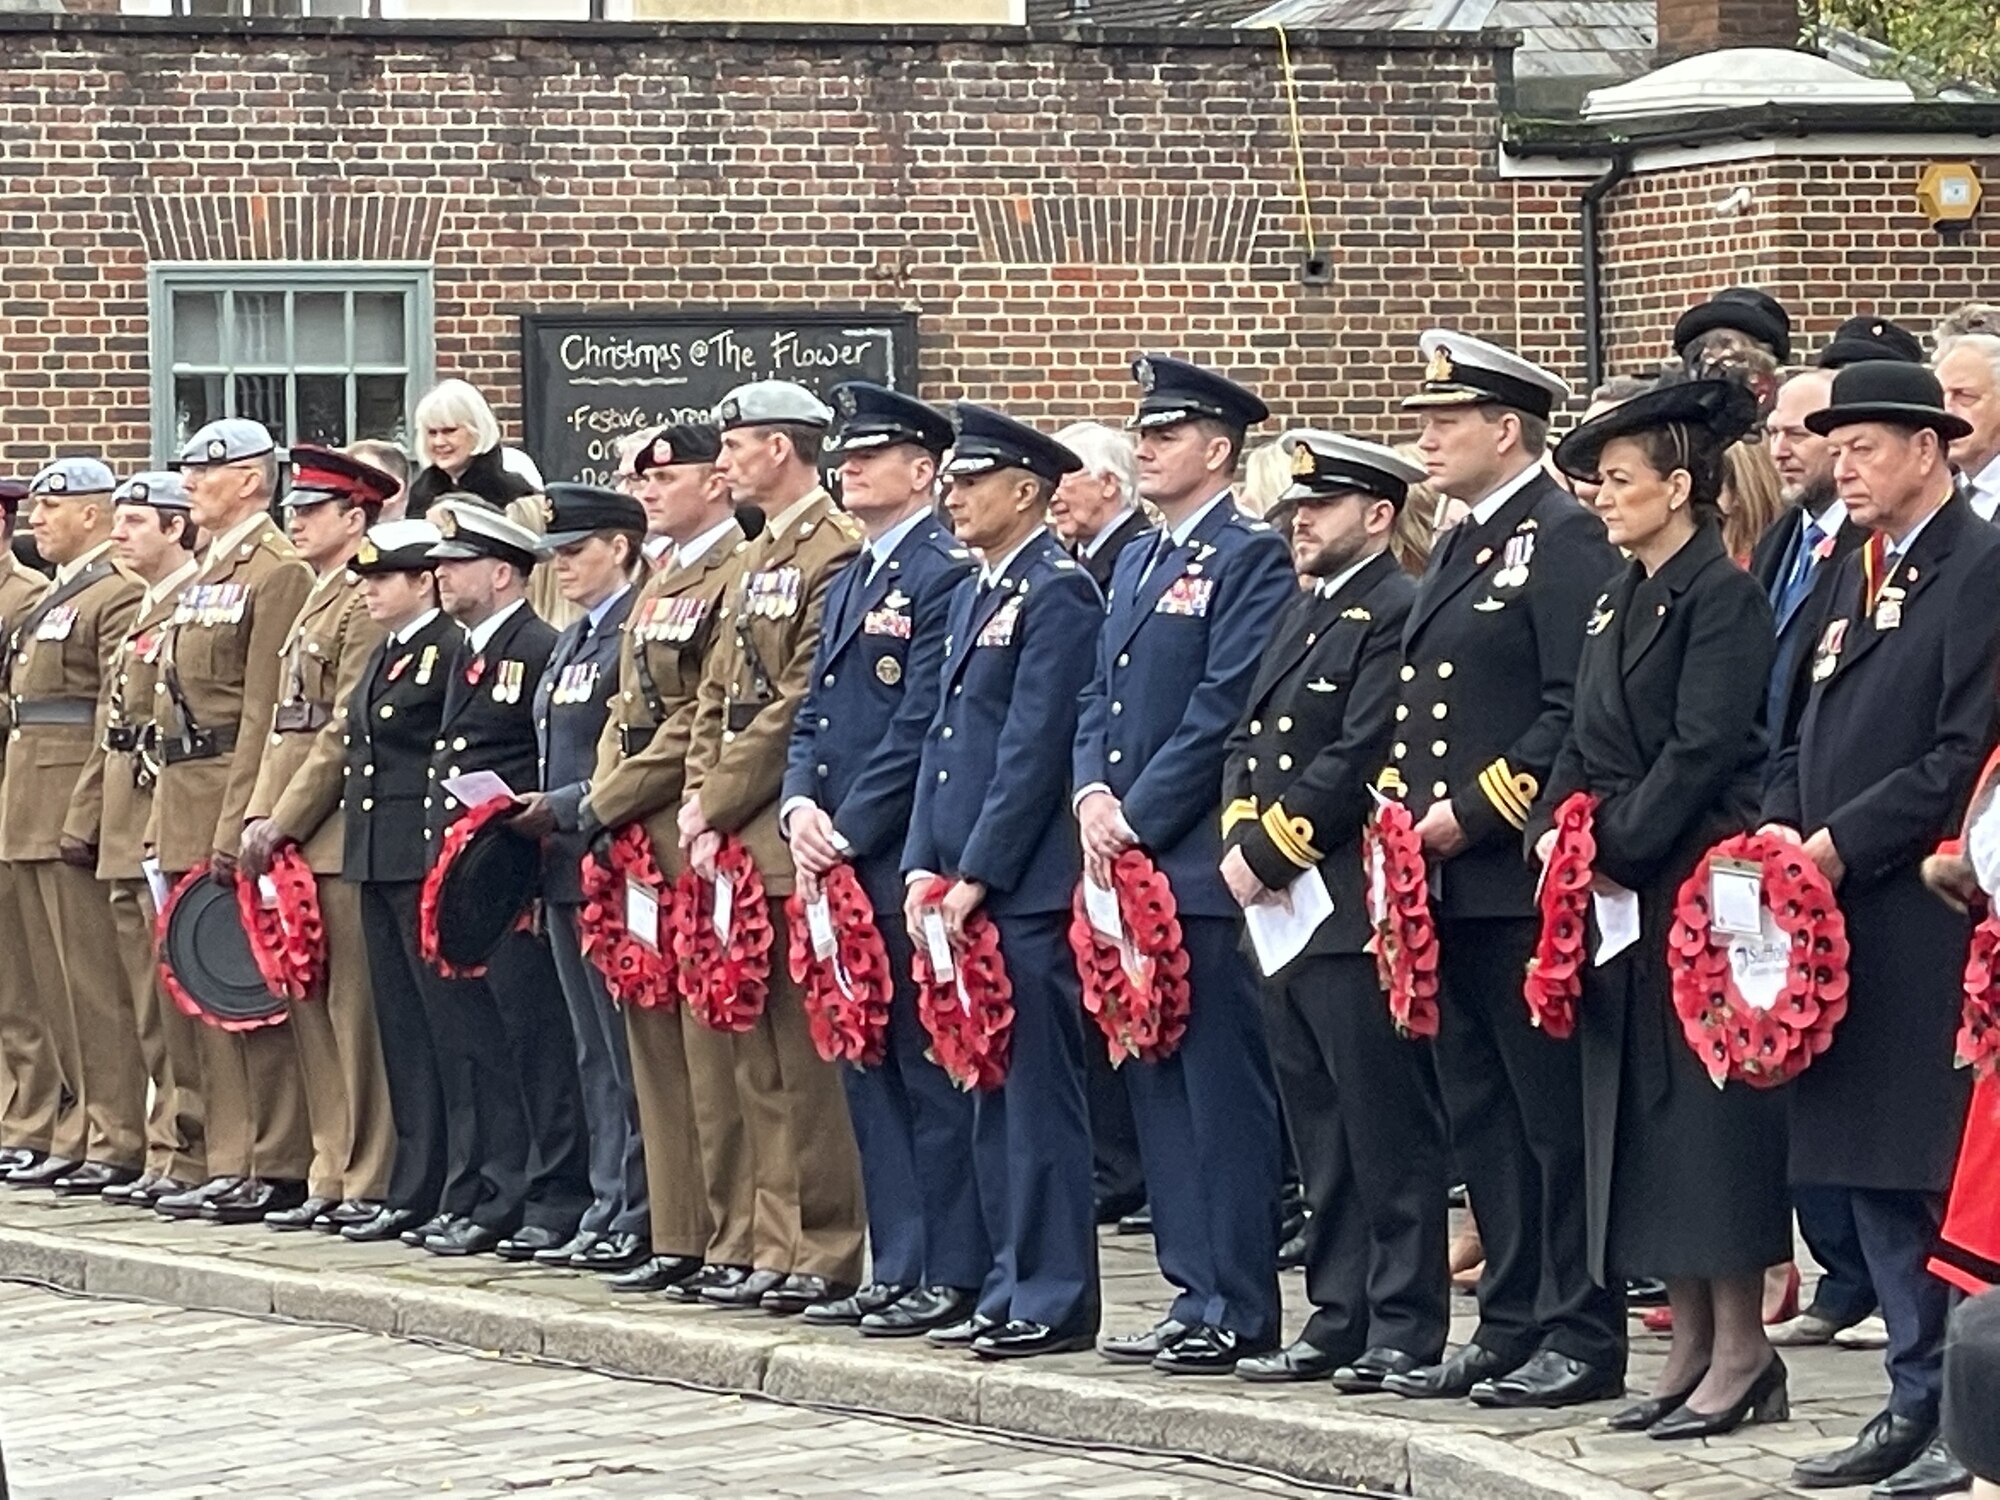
column 1188, row 621
column 1361, row 1100
column 850, row 778
column 989, row 815
column 1489, row 669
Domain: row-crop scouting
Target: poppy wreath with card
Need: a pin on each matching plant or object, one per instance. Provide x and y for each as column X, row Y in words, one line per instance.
column 970, row 1016
column 288, row 937
column 177, row 992
column 1737, row 1040
column 1405, row 934
column 725, row 985
column 846, row 995
column 456, row 837
column 1137, row 991
column 1555, row 973
column 1979, row 1021
column 635, row 973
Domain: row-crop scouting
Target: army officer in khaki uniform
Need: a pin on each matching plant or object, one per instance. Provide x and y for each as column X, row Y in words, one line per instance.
column 333, row 501
column 219, row 670
column 64, row 648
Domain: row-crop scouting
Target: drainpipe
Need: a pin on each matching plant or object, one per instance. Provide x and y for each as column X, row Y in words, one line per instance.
column 1593, row 290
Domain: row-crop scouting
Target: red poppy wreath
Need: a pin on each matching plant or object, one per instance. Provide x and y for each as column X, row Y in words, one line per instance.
column 1979, row 1022
column 1555, row 973
column 636, row 973
column 970, row 1015
column 287, row 937
column 845, row 993
column 1136, row 990
column 456, row 837
column 727, row 982
column 1399, row 910
column 1760, row 1044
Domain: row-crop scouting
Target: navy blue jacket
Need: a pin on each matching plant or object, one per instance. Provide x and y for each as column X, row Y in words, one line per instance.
column 992, row 800
column 1174, row 668
column 566, row 734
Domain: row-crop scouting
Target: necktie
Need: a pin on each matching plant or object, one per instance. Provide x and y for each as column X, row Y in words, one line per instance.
column 1162, row 545
column 1800, row 580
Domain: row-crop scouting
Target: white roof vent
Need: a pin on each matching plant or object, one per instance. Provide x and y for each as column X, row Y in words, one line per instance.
column 1740, row 78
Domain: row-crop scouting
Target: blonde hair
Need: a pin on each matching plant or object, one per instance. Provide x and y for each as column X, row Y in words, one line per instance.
column 1415, row 531
column 1267, row 474
column 453, row 403
column 1750, row 481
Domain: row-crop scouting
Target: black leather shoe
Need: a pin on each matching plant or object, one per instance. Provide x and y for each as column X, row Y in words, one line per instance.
column 300, row 1217
column 845, row 1312
column 1767, row 1400
column 388, row 1224
column 463, row 1238
column 959, row 1335
column 1365, row 1375
column 20, row 1158
column 745, row 1291
column 1550, row 1379
column 125, row 1193
column 614, row 1252
column 1454, row 1377
column 1020, row 1339
column 1933, row 1472
column 566, row 1253
column 689, row 1288
column 1295, row 1363
column 1643, row 1414
column 1887, row 1445
column 1144, row 1348
column 416, row 1234
column 144, row 1194
column 92, row 1178
column 252, row 1199
column 43, row 1173
column 1209, row 1350
column 1109, row 1208
column 524, row 1242
column 796, row 1293
column 190, row 1201
column 918, row 1311
column 1139, row 1221
column 655, row 1274
column 347, row 1211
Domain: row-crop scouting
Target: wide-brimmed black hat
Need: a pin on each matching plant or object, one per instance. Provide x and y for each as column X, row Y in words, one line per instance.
column 1723, row 408
column 1869, row 338
column 208, row 954
column 483, row 892
column 1892, row 391
column 1744, row 308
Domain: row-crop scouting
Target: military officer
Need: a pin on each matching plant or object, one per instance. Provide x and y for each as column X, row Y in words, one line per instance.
column 392, row 724
column 1361, row 1101
column 698, row 1177
column 332, row 501
column 595, row 538
column 988, row 816
column 219, row 670
column 509, row 1058
column 808, row 1229
column 1489, row 665
column 30, row 1082
column 64, row 649
column 1188, row 620
column 850, row 777
column 154, row 538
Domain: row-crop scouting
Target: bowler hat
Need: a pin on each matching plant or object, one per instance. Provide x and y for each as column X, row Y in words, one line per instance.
column 1724, row 409
column 206, row 952
column 483, row 891
column 1892, row 391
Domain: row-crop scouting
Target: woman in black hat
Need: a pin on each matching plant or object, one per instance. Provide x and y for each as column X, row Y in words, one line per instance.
column 1685, row 1182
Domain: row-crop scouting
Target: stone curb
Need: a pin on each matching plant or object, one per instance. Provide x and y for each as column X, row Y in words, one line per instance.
column 1372, row 1452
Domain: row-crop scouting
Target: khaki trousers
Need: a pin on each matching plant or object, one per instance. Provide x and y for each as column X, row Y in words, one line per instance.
column 168, row 1046
column 679, row 1140
column 31, row 1083
column 340, row 1061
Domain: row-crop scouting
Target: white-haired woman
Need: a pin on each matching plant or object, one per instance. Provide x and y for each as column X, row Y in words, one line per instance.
column 459, row 439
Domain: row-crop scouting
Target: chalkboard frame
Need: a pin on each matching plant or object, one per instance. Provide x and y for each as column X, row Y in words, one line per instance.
column 902, row 322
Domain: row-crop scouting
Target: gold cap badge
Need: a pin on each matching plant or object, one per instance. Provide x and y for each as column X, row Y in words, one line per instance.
column 447, row 523
column 368, row 556
column 1440, row 369
column 1302, row 462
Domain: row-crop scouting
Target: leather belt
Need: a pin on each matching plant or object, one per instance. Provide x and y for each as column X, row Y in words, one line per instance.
column 125, row 739
column 635, row 737
column 301, row 718
column 54, row 711
column 201, row 744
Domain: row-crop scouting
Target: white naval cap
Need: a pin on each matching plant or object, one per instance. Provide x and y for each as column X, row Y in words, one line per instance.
column 1331, row 463
column 1461, row 370
column 468, row 527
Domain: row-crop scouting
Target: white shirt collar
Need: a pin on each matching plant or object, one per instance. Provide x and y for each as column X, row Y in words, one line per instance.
column 1096, row 544
column 229, row 540
column 1833, row 517
column 168, row 587
column 994, row 569
column 656, row 548
column 483, row 632
column 1489, row 507
column 596, row 613
column 1330, row 586
column 408, row 633
column 1186, row 529
column 1985, row 490
column 693, row 551
column 883, row 547
column 66, row 571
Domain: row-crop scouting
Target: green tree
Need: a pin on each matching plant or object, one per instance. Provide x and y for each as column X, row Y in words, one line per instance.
column 1950, row 40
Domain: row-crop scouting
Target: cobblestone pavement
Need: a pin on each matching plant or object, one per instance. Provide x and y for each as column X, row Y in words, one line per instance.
column 110, row 1400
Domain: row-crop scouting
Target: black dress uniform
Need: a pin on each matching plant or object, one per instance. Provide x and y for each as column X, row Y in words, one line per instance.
column 853, row 753
column 1489, row 664
column 392, row 723
column 1901, row 717
column 1361, row 1101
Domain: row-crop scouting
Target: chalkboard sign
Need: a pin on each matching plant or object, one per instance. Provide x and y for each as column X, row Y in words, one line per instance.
column 587, row 379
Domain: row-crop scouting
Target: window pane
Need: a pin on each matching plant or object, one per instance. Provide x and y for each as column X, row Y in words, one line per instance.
column 197, row 402
column 378, row 328
column 261, row 398
column 381, row 407
column 197, row 328
column 319, row 331
column 260, row 330
column 323, row 410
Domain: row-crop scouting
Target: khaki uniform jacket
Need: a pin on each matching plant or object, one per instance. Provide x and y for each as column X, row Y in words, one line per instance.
column 65, row 650
column 669, row 633
column 222, row 653
column 132, row 694
column 20, row 587
column 325, row 656
column 756, row 678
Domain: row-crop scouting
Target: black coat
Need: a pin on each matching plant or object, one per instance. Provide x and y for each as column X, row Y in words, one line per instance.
column 487, row 476
column 1770, row 562
column 489, row 713
column 1489, row 664
column 1315, row 731
column 1131, row 526
column 1668, row 734
column 1900, row 720
column 392, row 724
column 572, row 702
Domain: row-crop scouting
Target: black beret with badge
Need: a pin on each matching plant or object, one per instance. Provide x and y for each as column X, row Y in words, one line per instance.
column 397, row 547
column 988, row 440
column 1172, row 391
column 1330, row 464
column 576, row 512
column 470, row 528
column 873, row 416
column 1757, row 315
column 1460, row 370
column 12, row 493
column 678, row 443
column 1869, row 338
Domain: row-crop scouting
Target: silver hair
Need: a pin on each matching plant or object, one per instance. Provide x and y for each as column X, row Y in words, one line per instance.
column 1105, row 450
column 267, row 473
column 1986, row 345
column 453, row 403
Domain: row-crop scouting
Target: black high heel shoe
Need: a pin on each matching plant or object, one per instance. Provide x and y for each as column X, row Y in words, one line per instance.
column 1643, row 1414
column 1767, row 1400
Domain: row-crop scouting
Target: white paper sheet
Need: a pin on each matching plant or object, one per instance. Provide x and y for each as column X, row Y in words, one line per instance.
column 819, row 925
column 642, row 914
column 1100, row 909
column 1982, row 843
column 156, row 881
column 1279, row 930
column 725, row 897
column 475, row 788
column 1617, row 922
column 938, row 946
column 1761, row 964
column 1735, row 897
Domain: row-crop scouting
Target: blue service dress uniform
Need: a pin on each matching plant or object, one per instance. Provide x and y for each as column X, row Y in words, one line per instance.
column 1186, row 627
column 854, row 752
column 572, row 702
column 990, row 806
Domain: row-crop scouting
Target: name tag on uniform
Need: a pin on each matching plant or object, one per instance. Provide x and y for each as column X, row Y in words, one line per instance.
column 774, row 594
column 999, row 631
column 889, row 622
column 1186, row 596
column 57, row 624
